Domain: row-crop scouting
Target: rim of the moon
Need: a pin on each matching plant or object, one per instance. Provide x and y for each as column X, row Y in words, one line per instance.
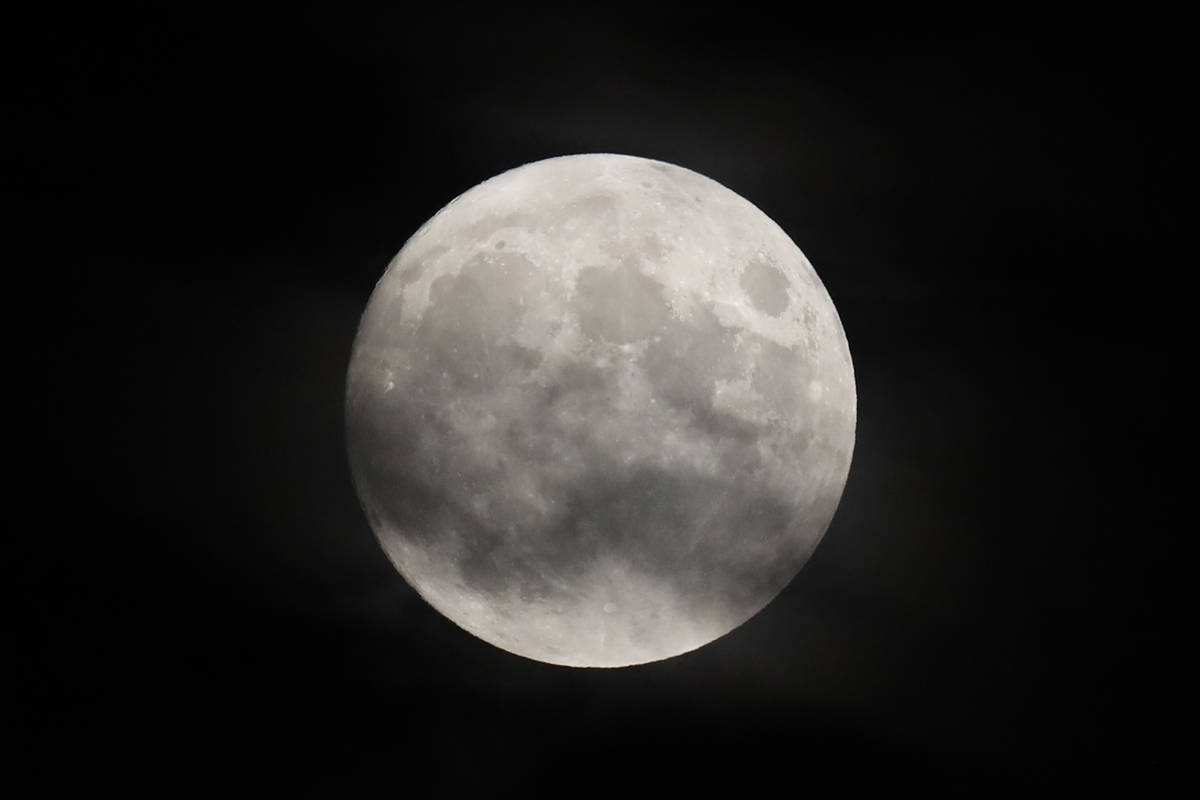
column 600, row 410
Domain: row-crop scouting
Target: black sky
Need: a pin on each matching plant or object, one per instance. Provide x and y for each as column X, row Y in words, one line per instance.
column 205, row 199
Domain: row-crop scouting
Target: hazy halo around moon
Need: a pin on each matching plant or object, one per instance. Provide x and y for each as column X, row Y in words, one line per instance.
column 600, row 410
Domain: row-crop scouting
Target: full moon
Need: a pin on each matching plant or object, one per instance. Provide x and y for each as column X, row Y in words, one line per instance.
column 600, row 410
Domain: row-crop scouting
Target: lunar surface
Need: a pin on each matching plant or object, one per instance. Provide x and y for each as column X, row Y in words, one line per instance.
column 600, row 410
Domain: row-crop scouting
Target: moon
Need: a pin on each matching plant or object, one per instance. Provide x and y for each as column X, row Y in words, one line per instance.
column 600, row 410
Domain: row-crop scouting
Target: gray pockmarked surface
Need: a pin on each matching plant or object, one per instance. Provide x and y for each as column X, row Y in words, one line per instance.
column 600, row 410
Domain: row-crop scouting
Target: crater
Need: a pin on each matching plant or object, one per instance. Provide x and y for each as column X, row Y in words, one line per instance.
column 766, row 287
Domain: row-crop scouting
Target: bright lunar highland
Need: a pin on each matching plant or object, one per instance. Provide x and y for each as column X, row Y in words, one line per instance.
column 600, row 409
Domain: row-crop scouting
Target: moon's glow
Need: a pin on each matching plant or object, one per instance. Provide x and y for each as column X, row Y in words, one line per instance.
column 600, row 410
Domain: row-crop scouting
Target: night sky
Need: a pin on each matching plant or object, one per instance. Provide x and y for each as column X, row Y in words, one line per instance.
column 206, row 198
